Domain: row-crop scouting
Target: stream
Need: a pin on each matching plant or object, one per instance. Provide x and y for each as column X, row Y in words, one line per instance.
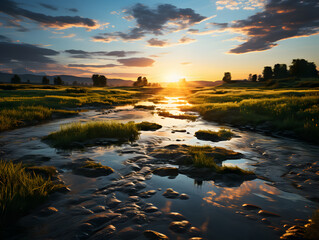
column 214, row 208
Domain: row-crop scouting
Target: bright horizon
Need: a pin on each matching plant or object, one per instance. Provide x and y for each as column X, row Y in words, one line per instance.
column 164, row 41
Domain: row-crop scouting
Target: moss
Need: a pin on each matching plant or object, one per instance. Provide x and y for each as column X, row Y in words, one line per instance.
column 221, row 135
column 180, row 116
column 81, row 132
column 148, row 126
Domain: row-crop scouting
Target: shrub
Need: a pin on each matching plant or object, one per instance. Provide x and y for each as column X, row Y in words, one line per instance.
column 148, row 126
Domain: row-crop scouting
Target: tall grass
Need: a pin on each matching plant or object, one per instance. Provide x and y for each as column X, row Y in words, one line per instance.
column 20, row 190
column 180, row 116
column 81, row 132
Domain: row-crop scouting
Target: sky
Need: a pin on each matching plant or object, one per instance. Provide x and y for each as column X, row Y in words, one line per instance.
column 162, row 40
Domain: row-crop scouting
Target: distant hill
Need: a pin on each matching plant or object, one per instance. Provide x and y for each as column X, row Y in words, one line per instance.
column 68, row 79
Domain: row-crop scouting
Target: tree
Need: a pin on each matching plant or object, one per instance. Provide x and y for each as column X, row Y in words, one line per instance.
column 16, row 79
column 58, row 81
column 144, row 81
column 45, row 80
column 303, row 68
column 280, row 71
column 260, row 78
column 141, row 82
column 99, row 80
column 227, row 77
column 250, row 77
column 267, row 73
column 254, row 78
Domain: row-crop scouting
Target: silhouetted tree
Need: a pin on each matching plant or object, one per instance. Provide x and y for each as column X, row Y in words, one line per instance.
column 227, row 77
column 16, row 79
column 267, row 73
column 75, row 83
column 303, row 68
column 45, row 80
column 260, row 78
column 28, row 81
column 141, row 82
column 144, row 81
column 99, row 80
column 254, row 78
column 280, row 71
column 250, row 77
column 58, row 80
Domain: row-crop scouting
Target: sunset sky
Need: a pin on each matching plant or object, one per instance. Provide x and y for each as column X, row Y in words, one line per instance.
column 163, row 40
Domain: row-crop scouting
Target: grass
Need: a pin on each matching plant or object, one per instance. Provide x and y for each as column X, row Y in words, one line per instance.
column 312, row 231
column 81, row 132
column 200, row 159
column 282, row 110
column 94, row 165
column 217, row 153
column 148, row 107
column 22, row 105
column 180, row 116
column 21, row 190
column 148, row 126
column 215, row 136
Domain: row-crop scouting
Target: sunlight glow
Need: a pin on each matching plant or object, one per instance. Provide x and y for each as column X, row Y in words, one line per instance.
column 174, row 77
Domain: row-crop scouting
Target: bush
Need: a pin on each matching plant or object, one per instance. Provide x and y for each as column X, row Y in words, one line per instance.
column 148, row 126
column 221, row 135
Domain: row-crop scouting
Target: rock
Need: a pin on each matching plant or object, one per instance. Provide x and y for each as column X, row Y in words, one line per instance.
column 183, row 196
column 151, row 209
column 112, row 202
column 129, row 233
column 147, row 194
column 140, row 218
column 166, row 171
column 176, row 216
column 251, row 217
column 268, row 214
column 194, row 232
column 153, row 235
column 265, row 221
column 105, row 233
column 48, row 211
column 86, row 227
column 80, row 210
column 98, row 209
column 101, row 218
column 180, row 226
column 196, row 238
column 251, row 206
column 170, row 193
column 133, row 198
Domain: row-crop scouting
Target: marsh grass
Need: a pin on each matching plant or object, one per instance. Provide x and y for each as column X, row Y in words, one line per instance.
column 21, row 190
column 221, row 135
column 200, row 159
column 217, row 153
column 148, row 126
column 148, row 107
column 95, row 165
column 312, row 231
column 81, row 132
column 282, row 110
column 180, row 116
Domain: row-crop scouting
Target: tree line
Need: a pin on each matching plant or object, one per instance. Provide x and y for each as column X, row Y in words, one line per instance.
column 300, row 68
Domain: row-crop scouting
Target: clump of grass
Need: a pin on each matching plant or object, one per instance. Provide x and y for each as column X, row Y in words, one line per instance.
column 312, row 231
column 180, row 116
column 215, row 136
column 148, row 126
column 200, row 160
column 217, row 153
column 81, row 132
column 148, row 107
column 21, row 190
column 95, row 165
column 45, row 171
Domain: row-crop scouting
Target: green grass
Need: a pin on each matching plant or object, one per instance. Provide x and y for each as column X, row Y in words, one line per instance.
column 21, row 190
column 282, row 110
column 29, row 104
column 180, row 116
column 221, row 135
column 148, row 126
column 81, row 132
column 200, row 159
column 217, row 153
column 95, row 165
column 312, row 231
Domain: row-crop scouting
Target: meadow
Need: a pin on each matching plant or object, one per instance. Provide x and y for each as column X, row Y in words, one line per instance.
column 293, row 112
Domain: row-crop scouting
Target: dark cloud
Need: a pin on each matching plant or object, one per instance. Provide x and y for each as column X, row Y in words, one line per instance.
column 72, row 9
column 93, row 66
column 278, row 21
column 59, row 22
column 84, row 54
column 11, row 52
column 136, row 62
column 48, row 6
column 4, row 39
column 163, row 18
column 186, row 40
column 155, row 42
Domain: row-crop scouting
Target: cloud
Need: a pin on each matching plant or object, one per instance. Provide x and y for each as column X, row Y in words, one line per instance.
column 278, row 21
column 155, row 42
column 92, row 66
column 71, row 35
column 136, row 62
column 240, row 4
column 11, row 52
column 72, row 9
column 84, row 54
column 165, row 18
column 48, row 6
column 59, row 22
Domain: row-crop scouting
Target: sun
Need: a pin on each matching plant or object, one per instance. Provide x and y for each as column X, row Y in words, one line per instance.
column 174, row 77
